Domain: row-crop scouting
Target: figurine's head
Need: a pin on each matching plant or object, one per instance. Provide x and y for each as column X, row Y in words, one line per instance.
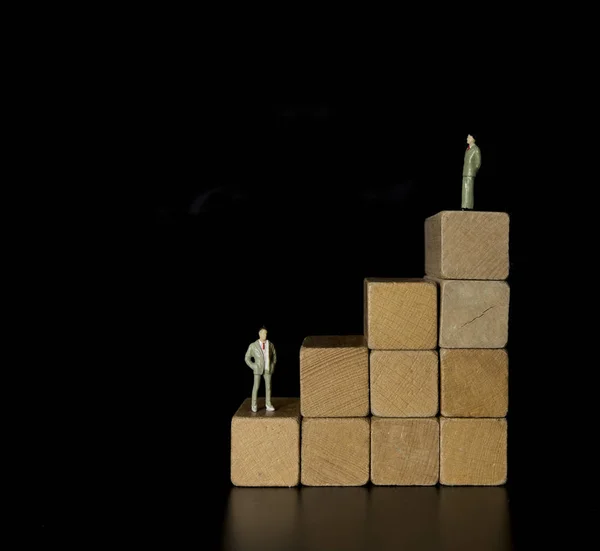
column 263, row 334
column 470, row 139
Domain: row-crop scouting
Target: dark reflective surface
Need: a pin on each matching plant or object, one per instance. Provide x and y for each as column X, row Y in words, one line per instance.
column 374, row 518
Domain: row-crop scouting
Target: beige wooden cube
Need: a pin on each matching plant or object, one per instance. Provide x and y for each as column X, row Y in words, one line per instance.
column 404, row 452
column 467, row 245
column 265, row 446
column 400, row 313
column 334, row 376
column 473, row 314
column 335, row 451
column 404, row 383
column 473, row 452
column 474, row 382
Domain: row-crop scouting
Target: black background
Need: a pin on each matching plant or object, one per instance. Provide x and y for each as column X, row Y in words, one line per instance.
column 264, row 195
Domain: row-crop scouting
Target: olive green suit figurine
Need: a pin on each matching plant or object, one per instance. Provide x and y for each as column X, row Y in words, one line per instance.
column 261, row 358
column 470, row 168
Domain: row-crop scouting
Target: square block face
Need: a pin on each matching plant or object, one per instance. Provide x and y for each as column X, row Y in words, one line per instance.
column 473, row 314
column 265, row 446
column 473, row 452
column 335, row 452
column 334, row 376
column 474, row 382
column 400, row 314
column 404, row 452
column 467, row 245
column 404, row 383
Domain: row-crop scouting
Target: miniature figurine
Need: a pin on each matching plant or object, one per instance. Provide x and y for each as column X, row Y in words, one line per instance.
column 470, row 168
column 261, row 358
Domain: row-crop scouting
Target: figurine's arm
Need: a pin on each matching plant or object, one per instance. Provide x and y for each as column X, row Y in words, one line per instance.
column 248, row 358
column 274, row 359
column 477, row 159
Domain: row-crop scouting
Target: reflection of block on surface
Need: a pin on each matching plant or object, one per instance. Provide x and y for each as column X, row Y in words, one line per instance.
column 334, row 376
column 328, row 519
column 265, row 446
column 335, row 451
column 404, row 518
column 473, row 452
column 473, row 314
column 474, row 382
column 246, row 524
column 475, row 518
column 404, row 452
column 404, row 383
column 400, row 314
column 467, row 245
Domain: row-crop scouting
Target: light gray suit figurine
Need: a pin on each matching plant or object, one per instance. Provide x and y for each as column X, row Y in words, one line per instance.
column 471, row 166
column 261, row 358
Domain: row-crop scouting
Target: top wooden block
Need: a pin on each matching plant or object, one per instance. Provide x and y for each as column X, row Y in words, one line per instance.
column 467, row 245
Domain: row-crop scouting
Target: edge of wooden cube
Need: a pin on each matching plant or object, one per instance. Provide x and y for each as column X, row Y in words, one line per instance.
column 287, row 412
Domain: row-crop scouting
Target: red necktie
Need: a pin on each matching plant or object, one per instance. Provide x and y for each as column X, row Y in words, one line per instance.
column 263, row 345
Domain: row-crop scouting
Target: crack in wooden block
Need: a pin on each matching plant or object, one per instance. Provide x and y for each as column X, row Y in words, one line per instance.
column 473, row 314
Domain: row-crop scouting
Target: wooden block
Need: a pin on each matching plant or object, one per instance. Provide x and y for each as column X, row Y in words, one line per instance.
column 473, row 314
column 404, row 452
column 335, row 451
column 265, row 446
column 400, row 314
column 404, row 383
column 467, row 245
column 473, row 452
column 474, row 382
column 334, row 376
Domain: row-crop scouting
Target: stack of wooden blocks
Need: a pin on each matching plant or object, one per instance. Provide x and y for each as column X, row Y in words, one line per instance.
column 420, row 398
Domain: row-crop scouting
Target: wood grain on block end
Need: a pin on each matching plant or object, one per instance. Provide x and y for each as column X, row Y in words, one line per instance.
column 467, row 245
column 265, row 445
column 404, row 452
column 400, row 313
column 334, row 376
column 404, row 383
column 335, row 451
column 473, row 314
column 473, row 452
column 474, row 382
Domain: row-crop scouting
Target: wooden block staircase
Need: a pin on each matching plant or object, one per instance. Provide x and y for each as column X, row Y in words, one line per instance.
column 420, row 399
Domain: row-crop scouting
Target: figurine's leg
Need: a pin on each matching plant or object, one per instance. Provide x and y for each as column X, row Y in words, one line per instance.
column 255, row 391
column 268, row 392
column 467, row 193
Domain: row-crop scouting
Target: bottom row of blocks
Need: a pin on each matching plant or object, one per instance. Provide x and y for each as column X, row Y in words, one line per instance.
column 281, row 448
